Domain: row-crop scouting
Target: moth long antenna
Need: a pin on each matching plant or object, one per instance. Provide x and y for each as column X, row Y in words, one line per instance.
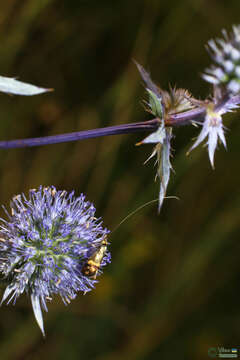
column 139, row 208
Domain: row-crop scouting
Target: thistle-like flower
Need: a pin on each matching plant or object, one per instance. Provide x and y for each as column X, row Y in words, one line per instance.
column 51, row 244
column 226, row 55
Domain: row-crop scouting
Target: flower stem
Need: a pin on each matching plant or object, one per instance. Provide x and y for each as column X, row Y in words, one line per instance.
column 150, row 125
column 172, row 120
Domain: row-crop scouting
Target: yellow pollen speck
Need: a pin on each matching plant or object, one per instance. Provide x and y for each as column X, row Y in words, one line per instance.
column 17, row 197
column 58, row 282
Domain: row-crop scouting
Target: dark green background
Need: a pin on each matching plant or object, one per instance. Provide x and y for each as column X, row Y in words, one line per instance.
column 172, row 290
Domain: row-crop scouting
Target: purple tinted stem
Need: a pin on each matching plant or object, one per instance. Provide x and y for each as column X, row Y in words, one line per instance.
column 184, row 118
column 198, row 114
column 82, row 135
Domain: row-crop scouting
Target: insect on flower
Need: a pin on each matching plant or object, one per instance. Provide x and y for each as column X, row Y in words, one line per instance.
column 92, row 265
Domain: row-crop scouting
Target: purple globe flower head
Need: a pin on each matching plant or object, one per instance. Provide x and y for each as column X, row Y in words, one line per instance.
column 52, row 244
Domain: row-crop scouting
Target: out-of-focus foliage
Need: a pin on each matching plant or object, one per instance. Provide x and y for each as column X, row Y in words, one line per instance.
column 172, row 290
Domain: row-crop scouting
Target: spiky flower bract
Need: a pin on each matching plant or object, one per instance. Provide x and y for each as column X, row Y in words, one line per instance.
column 45, row 244
column 162, row 104
column 212, row 128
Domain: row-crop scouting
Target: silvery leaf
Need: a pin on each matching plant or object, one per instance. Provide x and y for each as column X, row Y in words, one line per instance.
column 155, row 103
column 37, row 311
column 156, row 137
column 164, row 167
column 16, row 87
column 9, row 289
column 148, row 81
column 162, row 150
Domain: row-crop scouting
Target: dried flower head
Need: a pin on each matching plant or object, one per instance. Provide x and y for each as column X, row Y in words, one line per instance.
column 46, row 245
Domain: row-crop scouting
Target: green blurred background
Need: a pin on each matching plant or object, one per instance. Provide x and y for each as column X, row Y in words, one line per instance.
column 172, row 290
